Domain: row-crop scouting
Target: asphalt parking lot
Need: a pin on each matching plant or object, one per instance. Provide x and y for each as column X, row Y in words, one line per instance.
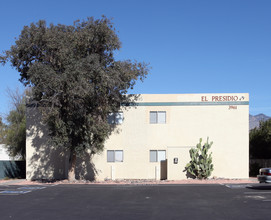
column 232, row 201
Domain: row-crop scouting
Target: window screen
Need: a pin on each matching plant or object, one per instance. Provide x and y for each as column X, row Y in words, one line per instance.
column 161, row 155
column 118, row 156
column 110, row 156
column 153, row 117
column 119, row 118
column 111, row 118
column 153, row 156
column 161, row 117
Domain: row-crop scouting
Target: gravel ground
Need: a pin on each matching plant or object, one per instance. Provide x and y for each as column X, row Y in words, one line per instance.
column 138, row 182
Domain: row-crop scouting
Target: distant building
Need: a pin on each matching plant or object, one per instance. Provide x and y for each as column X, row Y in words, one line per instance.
column 153, row 138
column 4, row 153
column 10, row 167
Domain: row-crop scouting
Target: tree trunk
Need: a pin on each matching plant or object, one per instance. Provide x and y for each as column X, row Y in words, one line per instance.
column 72, row 163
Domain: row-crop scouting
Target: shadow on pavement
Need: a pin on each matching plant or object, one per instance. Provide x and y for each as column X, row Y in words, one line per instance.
column 262, row 186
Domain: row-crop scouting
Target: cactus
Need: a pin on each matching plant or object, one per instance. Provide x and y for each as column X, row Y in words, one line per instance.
column 200, row 166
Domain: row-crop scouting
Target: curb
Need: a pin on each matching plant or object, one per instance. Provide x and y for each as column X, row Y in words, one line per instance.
column 10, row 182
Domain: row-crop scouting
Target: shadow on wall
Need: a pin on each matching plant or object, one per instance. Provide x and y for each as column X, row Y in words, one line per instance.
column 46, row 162
column 85, row 169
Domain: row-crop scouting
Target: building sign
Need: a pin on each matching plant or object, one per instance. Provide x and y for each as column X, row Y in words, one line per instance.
column 216, row 98
column 225, row 98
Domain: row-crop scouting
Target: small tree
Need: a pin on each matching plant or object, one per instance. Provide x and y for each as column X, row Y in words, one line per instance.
column 15, row 130
column 2, row 131
column 200, row 165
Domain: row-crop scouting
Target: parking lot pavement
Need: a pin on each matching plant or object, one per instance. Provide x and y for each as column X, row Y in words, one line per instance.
column 259, row 192
column 6, row 189
column 241, row 201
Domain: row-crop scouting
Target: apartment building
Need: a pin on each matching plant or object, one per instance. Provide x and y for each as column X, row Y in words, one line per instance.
column 152, row 139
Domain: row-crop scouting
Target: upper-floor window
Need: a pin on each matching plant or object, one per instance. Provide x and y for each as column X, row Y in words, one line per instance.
column 157, row 117
column 115, row 118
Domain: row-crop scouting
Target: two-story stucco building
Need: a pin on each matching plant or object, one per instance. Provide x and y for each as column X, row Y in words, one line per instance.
column 152, row 139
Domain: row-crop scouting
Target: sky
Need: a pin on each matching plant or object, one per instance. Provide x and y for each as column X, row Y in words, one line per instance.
column 192, row 46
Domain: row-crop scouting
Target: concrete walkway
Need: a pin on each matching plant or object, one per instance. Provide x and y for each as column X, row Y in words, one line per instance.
column 133, row 182
column 11, row 182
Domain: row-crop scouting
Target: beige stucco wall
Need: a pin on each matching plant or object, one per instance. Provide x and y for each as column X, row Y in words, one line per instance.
column 224, row 118
column 227, row 127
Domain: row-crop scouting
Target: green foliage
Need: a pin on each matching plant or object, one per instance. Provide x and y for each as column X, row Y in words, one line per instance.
column 200, row 166
column 254, row 169
column 2, row 131
column 75, row 77
column 15, row 131
column 260, row 141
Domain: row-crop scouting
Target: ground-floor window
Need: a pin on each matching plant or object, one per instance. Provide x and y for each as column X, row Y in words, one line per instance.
column 115, row 156
column 157, row 155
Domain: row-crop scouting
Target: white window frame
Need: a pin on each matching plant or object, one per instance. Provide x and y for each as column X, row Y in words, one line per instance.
column 157, row 159
column 158, row 117
column 116, row 154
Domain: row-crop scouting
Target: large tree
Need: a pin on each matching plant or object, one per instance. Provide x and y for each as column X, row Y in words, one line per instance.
column 75, row 79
